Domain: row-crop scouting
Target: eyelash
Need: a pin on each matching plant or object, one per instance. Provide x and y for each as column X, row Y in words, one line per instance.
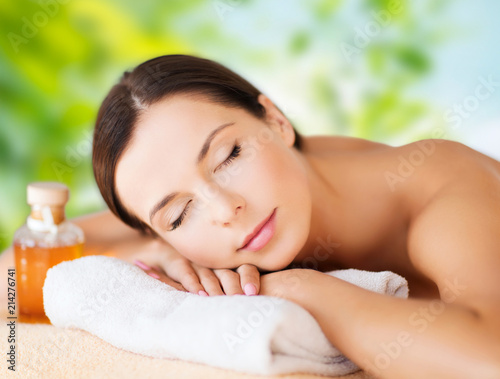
column 234, row 154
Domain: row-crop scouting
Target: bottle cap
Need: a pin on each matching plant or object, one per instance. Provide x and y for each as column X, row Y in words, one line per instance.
column 47, row 193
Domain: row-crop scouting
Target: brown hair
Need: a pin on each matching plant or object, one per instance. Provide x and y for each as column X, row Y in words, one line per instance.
column 148, row 83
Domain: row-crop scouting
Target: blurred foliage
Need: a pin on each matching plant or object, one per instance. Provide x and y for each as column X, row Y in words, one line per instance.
column 59, row 59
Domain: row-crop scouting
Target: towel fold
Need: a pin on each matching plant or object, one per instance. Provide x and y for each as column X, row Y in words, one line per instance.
column 122, row 305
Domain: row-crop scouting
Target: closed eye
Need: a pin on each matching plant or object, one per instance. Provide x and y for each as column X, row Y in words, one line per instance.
column 234, row 154
column 178, row 222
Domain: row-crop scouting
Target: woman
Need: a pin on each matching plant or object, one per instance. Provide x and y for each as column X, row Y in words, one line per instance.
column 193, row 155
column 189, row 152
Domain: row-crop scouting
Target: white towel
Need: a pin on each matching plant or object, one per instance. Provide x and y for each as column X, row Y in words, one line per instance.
column 121, row 304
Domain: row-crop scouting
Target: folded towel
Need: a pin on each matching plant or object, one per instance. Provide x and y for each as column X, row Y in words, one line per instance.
column 124, row 306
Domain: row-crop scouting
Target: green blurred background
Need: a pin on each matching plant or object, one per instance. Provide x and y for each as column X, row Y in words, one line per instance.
column 390, row 71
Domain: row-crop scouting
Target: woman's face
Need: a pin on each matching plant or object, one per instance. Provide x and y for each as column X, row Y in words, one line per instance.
column 248, row 170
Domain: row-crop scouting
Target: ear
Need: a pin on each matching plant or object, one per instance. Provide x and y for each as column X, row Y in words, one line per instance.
column 277, row 120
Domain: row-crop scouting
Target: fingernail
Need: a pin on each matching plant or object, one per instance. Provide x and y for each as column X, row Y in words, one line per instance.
column 154, row 275
column 250, row 289
column 142, row 265
column 202, row 293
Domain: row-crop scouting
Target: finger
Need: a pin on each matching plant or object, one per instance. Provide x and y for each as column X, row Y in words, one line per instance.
column 156, row 274
column 230, row 281
column 249, row 279
column 165, row 279
column 150, row 270
column 182, row 272
column 147, row 269
column 209, row 281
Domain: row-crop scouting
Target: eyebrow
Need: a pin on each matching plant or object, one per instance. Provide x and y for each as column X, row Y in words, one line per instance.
column 201, row 156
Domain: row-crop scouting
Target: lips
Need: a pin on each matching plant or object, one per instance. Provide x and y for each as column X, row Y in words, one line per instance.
column 261, row 235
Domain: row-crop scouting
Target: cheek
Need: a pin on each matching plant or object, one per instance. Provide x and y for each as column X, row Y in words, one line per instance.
column 261, row 164
column 271, row 177
column 277, row 169
column 198, row 245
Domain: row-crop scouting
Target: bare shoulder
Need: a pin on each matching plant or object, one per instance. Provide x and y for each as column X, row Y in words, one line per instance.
column 441, row 154
column 457, row 154
column 454, row 233
column 326, row 144
column 422, row 169
column 413, row 173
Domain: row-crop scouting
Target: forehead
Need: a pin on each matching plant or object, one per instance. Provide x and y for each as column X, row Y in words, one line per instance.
column 165, row 145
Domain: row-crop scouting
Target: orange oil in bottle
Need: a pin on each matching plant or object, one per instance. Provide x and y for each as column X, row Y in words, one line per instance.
column 45, row 240
column 32, row 264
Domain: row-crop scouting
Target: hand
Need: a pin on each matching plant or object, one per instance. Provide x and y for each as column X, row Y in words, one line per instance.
column 165, row 264
column 159, row 275
column 245, row 280
column 190, row 277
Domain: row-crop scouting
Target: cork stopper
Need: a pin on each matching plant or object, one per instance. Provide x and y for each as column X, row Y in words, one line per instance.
column 48, row 193
column 51, row 195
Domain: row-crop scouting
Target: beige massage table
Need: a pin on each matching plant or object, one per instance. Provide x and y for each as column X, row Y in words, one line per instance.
column 47, row 352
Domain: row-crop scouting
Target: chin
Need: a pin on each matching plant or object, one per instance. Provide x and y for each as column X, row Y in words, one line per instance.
column 276, row 266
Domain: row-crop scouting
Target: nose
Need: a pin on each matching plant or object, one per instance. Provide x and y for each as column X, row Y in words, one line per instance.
column 224, row 208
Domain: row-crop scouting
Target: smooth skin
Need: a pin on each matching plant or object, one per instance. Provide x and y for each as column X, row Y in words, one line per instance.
column 429, row 211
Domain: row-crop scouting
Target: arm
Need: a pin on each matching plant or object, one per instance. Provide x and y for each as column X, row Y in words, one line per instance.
column 455, row 241
column 391, row 337
column 106, row 234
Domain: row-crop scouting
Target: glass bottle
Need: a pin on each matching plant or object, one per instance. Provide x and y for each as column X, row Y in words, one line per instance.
column 45, row 240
